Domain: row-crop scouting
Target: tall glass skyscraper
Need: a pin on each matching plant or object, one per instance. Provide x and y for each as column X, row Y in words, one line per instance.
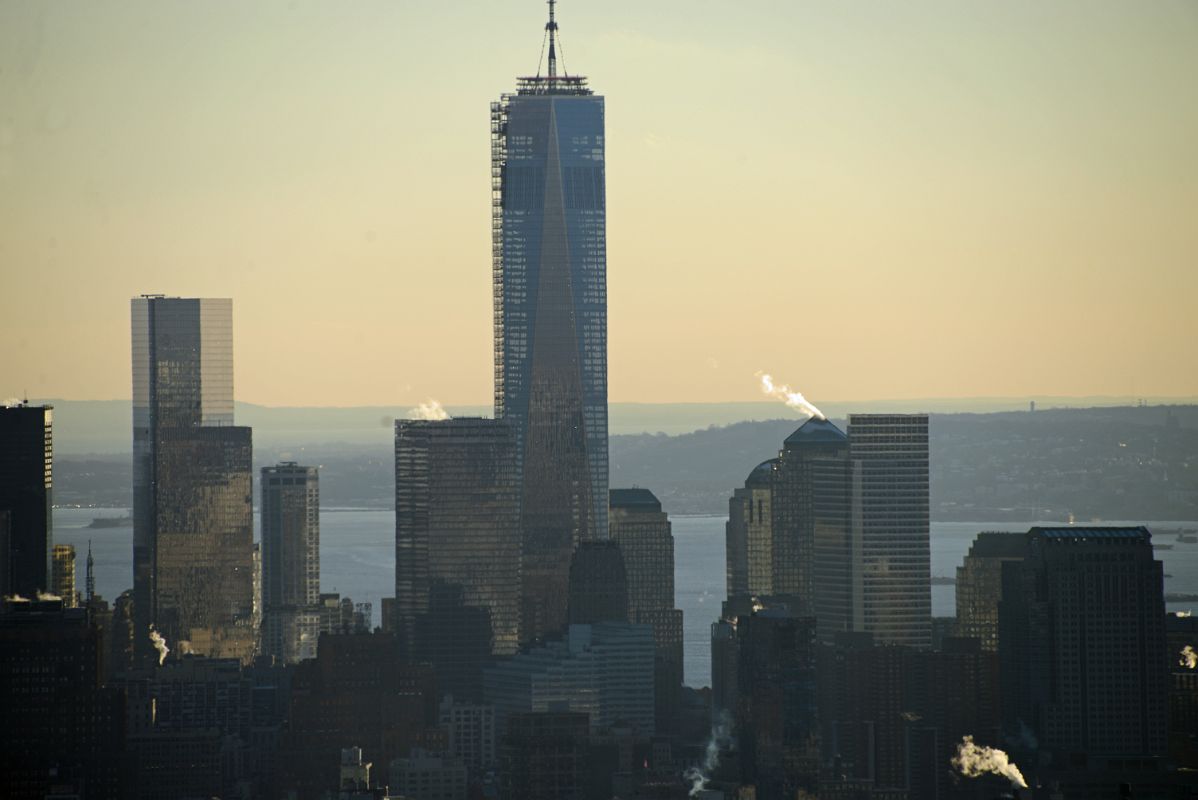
column 192, row 505
column 549, row 238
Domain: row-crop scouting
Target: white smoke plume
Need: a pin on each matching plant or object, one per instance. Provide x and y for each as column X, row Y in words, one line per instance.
column 789, row 396
column 15, row 598
column 1189, row 659
column 1184, row 614
column 721, row 735
column 159, row 644
column 431, row 410
column 10, row 402
column 973, row 760
column 42, row 597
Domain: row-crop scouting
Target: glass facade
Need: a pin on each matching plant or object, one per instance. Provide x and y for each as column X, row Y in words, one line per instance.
column 290, row 561
column 192, row 504
column 457, row 525
column 550, row 288
column 891, row 520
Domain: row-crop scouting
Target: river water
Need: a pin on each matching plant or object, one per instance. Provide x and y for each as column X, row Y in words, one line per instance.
column 357, row 558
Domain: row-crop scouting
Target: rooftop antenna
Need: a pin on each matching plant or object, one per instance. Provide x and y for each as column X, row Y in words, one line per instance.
column 551, row 29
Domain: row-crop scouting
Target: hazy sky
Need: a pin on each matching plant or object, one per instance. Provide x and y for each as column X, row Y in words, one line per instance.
column 869, row 199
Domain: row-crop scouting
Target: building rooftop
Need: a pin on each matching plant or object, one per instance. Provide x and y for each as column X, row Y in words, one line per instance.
column 761, row 472
column 634, row 499
column 1080, row 534
column 816, row 431
column 994, row 544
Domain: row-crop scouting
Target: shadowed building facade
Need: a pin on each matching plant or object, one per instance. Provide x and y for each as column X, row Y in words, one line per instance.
column 550, row 306
column 26, row 498
column 290, row 561
column 192, row 503
column 457, row 532
column 979, row 585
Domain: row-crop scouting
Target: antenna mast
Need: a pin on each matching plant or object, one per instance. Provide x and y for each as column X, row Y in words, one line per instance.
column 551, row 27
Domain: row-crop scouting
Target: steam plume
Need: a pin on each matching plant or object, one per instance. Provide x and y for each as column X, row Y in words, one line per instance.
column 1189, row 659
column 973, row 761
column 44, row 596
column 720, row 736
column 15, row 598
column 159, row 645
column 789, row 396
column 431, row 410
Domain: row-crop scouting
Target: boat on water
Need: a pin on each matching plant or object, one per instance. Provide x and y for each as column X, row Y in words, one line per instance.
column 110, row 522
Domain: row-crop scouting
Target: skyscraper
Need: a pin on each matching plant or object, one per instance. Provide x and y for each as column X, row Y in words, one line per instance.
column 26, row 494
column 457, row 524
column 642, row 531
column 290, row 561
column 550, row 286
column 891, row 518
column 979, row 585
column 1082, row 646
column 192, row 504
column 749, row 534
column 62, row 574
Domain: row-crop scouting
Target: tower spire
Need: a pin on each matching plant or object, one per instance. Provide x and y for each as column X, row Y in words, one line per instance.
column 90, row 586
column 551, row 28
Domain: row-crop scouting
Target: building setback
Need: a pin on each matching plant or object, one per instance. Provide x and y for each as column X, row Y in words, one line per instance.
column 550, row 304
column 26, row 498
column 192, row 481
column 979, row 585
column 290, row 561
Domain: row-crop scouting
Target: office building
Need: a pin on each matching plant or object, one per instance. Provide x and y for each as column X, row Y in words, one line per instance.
column 62, row 574
column 192, row 504
column 1082, row 647
column 979, row 585
column 550, row 305
column 471, row 731
column 749, row 534
column 290, row 557
column 457, row 524
column 777, row 725
column 598, row 584
column 604, row 670
column 543, row 756
column 61, row 726
column 428, row 776
column 642, row 531
column 26, row 498
column 892, row 522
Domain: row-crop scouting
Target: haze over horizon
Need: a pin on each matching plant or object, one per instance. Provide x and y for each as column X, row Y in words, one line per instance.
column 930, row 200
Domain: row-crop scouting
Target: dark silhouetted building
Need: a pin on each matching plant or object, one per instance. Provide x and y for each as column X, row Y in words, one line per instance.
column 550, row 300
column 26, row 499
column 776, row 721
column 356, row 690
column 1082, row 647
column 192, row 481
column 290, row 561
column 598, row 584
column 979, row 585
column 543, row 756
column 642, row 531
column 457, row 527
column 62, row 732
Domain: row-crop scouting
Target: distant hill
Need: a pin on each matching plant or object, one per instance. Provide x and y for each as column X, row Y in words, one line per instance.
column 105, row 426
column 1122, row 463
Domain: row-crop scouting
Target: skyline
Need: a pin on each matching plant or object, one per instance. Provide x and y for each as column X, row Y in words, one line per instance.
column 1049, row 150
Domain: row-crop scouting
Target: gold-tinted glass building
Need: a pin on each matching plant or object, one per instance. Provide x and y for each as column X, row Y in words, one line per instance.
column 192, row 503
